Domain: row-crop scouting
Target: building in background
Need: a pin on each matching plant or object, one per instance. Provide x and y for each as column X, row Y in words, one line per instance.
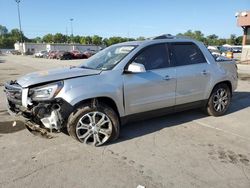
column 31, row 48
column 243, row 20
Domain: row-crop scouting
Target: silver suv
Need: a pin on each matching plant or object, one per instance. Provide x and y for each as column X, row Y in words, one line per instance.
column 130, row 80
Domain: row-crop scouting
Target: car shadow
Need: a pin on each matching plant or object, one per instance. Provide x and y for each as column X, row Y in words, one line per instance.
column 2, row 61
column 148, row 126
column 240, row 101
column 7, row 127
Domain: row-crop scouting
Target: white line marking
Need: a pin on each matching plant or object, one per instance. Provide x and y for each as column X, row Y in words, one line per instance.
column 228, row 132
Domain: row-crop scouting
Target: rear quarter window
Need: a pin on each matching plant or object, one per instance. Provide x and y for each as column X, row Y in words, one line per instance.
column 186, row 54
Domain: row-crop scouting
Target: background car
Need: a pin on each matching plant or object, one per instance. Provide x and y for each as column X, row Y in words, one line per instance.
column 89, row 53
column 52, row 54
column 78, row 55
column 63, row 55
column 227, row 52
column 15, row 52
column 41, row 54
column 237, row 49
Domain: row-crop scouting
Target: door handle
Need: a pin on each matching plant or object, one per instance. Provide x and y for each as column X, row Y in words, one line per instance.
column 204, row 72
column 167, row 78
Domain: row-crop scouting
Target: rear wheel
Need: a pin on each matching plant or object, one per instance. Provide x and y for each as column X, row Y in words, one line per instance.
column 94, row 125
column 219, row 100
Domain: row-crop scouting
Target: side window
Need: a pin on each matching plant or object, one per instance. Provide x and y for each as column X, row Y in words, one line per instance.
column 187, row 54
column 154, row 57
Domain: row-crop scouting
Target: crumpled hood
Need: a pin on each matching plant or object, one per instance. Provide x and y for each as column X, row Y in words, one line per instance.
column 54, row 75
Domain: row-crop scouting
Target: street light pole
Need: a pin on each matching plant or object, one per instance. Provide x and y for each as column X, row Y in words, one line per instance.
column 19, row 18
column 71, row 24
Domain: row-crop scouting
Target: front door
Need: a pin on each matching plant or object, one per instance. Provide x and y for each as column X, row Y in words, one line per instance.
column 153, row 89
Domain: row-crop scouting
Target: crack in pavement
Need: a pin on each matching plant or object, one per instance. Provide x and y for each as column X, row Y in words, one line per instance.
column 37, row 170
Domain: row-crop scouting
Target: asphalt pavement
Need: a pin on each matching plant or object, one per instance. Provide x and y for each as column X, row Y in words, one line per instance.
column 187, row 149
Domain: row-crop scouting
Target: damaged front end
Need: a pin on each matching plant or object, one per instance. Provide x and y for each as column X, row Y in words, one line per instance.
column 38, row 105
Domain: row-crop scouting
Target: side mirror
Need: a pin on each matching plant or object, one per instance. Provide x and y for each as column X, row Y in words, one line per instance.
column 136, row 68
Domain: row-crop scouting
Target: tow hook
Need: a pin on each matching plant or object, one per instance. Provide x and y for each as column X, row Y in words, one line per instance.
column 38, row 131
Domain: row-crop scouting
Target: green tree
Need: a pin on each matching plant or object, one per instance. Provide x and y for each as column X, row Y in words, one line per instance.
column 238, row 40
column 105, row 41
column 36, row 40
column 15, row 35
column 7, row 39
column 59, row 38
column 6, row 42
column 88, row 40
column 48, row 38
column 129, row 39
column 115, row 40
column 212, row 39
column 82, row 40
column 197, row 35
column 221, row 42
column 3, row 30
column 77, row 39
column 140, row 38
column 97, row 40
column 232, row 39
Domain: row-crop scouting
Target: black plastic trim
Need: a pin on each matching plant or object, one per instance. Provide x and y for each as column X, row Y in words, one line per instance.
column 163, row 111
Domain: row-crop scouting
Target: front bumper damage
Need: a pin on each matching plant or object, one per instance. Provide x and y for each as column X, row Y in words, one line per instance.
column 36, row 130
column 44, row 117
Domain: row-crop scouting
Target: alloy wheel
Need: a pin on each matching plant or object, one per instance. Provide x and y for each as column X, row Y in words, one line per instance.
column 94, row 128
column 220, row 100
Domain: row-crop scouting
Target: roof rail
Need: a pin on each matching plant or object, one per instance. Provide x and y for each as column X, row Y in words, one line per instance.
column 182, row 37
column 169, row 36
column 164, row 36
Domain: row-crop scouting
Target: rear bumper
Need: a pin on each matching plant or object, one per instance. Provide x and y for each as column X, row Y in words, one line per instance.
column 234, row 82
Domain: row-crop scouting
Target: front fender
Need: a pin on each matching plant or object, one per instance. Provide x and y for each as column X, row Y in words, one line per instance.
column 84, row 88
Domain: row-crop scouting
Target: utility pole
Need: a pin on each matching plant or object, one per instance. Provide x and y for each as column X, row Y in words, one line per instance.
column 19, row 19
column 67, row 41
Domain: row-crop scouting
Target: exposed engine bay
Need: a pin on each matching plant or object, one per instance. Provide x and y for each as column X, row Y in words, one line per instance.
column 39, row 115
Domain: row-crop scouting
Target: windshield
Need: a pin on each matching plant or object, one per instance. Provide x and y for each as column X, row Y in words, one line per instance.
column 108, row 58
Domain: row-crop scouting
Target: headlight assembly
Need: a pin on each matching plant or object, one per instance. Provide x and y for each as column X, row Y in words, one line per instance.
column 46, row 92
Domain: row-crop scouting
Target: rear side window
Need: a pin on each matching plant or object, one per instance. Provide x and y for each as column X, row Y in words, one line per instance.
column 187, row 54
column 154, row 57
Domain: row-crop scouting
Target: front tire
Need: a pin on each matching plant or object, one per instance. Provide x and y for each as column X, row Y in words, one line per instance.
column 94, row 125
column 219, row 100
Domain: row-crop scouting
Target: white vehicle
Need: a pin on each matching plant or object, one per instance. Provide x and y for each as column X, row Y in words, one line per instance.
column 214, row 51
column 41, row 54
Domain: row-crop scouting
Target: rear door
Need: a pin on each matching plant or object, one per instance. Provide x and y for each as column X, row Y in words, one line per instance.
column 192, row 71
column 153, row 89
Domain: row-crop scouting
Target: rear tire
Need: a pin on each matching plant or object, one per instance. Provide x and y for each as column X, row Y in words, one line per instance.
column 94, row 125
column 219, row 100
